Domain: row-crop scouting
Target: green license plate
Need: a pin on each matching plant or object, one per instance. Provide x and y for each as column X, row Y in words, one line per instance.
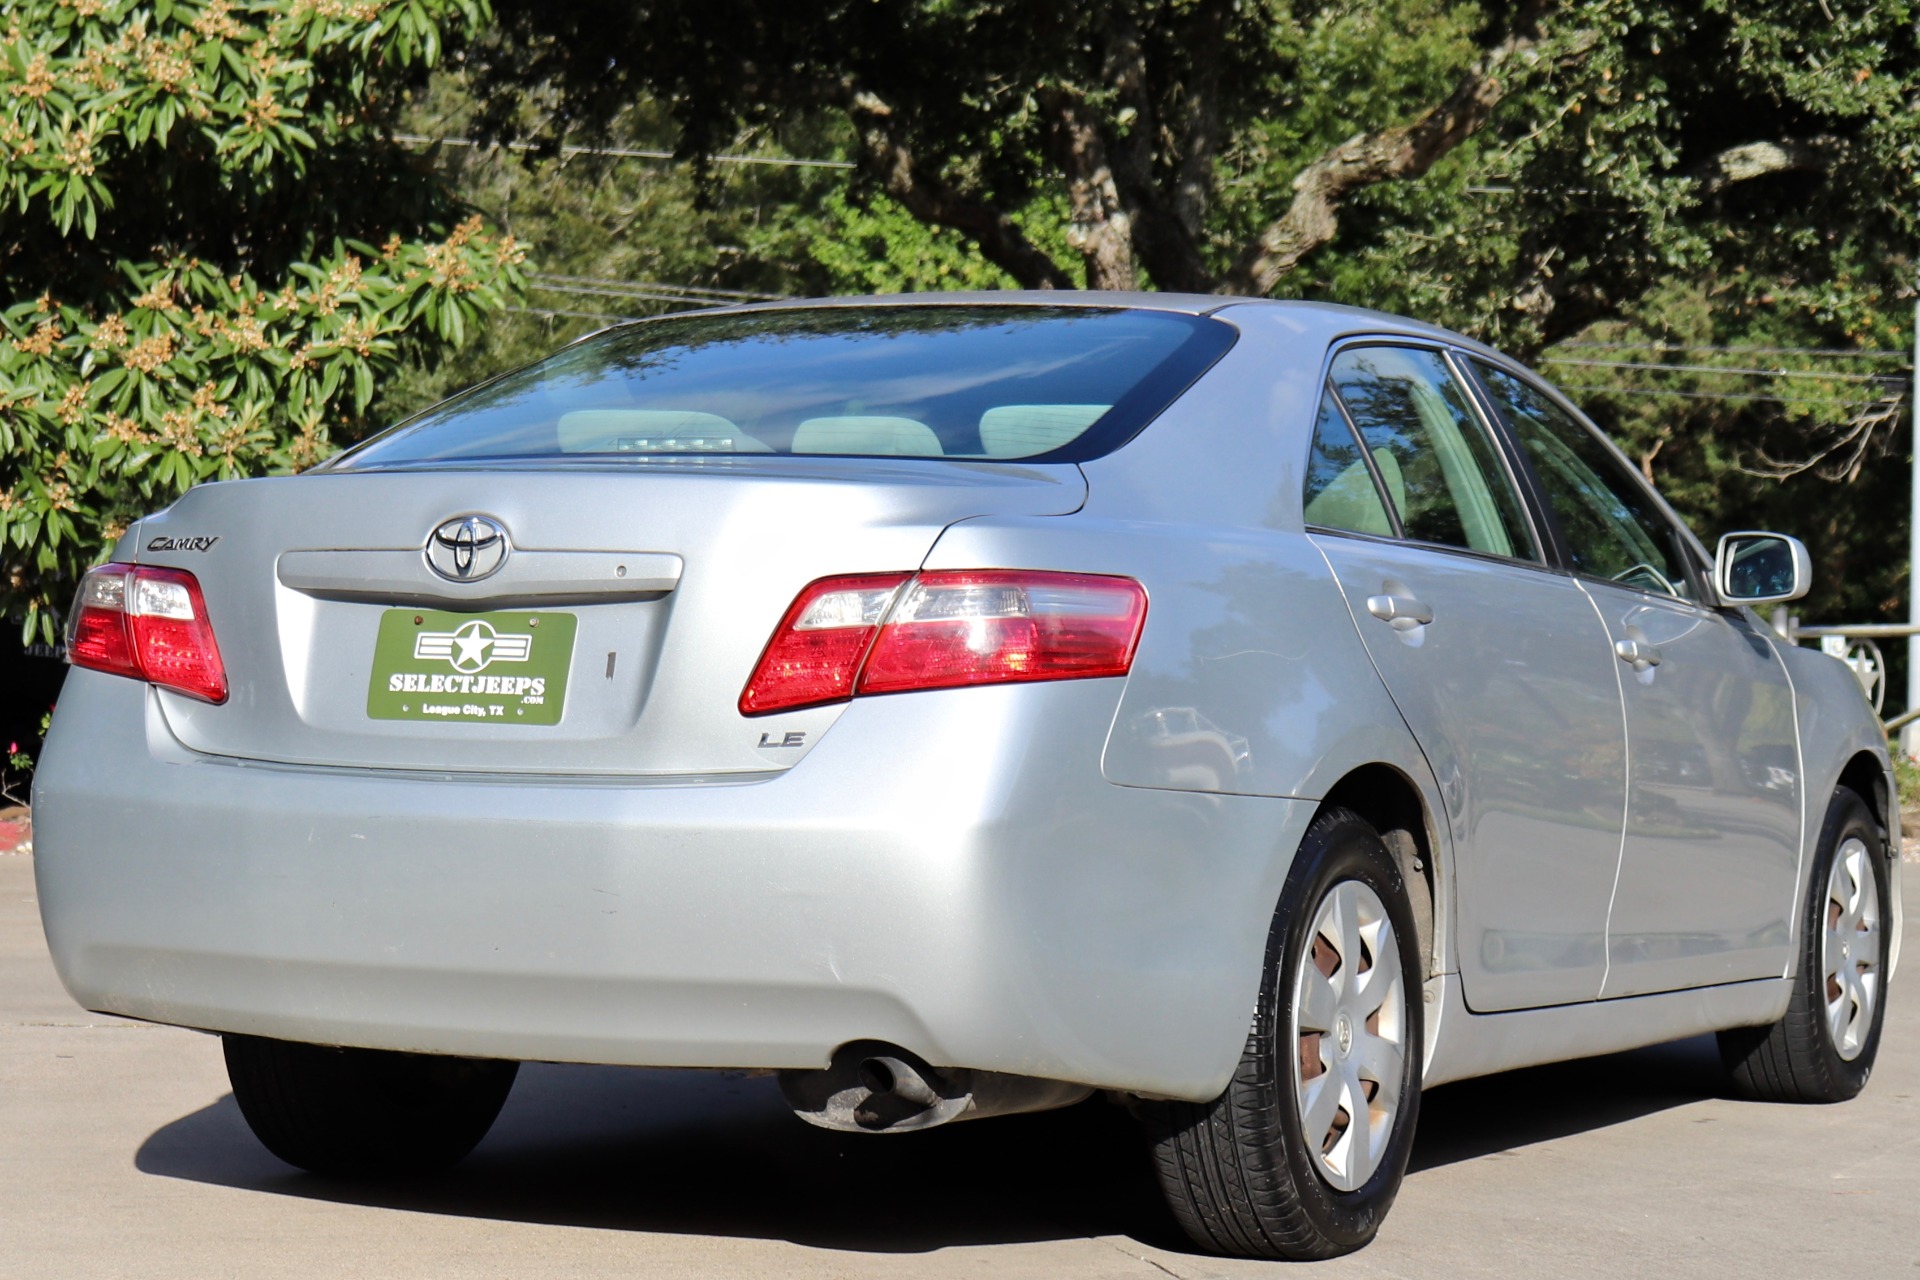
column 503, row 668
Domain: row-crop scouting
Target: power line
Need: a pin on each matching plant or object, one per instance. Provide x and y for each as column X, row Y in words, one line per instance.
column 1716, row 395
column 572, row 315
column 623, row 153
column 634, row 295
column 1708, row 368
column 611, row 285
column 1833, row 352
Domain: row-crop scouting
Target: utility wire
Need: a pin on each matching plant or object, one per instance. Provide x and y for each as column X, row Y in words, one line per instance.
column 626, row 286
column 624, row 153
column 1708, row 368
column 1832, row 352
column 572, row 315
column 634, row 295
column 1716, row 395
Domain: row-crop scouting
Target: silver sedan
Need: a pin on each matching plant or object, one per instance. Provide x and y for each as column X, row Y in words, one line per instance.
column 960, row 705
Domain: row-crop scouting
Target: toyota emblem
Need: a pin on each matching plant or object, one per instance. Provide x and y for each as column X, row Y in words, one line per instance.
column 467, row 548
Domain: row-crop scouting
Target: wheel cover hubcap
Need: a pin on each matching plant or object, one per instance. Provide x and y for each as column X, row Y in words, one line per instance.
column 1350, row 1031
column 1850, row 948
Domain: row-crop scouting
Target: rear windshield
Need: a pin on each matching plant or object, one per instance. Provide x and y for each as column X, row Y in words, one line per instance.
column 982, row 382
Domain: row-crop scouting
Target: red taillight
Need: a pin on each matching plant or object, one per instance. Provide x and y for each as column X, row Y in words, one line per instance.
column 891, row 633
column 815, row 653
column 148, row 623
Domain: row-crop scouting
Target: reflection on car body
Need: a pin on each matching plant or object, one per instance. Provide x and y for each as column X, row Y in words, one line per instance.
column 1196, row 753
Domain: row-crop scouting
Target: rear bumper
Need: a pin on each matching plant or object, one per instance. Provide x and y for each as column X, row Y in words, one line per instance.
column 945, row 871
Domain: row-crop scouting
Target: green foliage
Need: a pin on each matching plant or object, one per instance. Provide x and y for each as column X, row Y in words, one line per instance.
column 210, row 261
column 1594, row 187
column 1614, row 195
column 16, row 767
column 878, row 247
column 1906, row 783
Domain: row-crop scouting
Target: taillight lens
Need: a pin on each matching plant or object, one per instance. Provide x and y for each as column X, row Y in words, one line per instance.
column 891, row 633
column 148, row 623
column 816, row 651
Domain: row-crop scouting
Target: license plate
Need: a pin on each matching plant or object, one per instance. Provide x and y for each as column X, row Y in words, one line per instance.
column 502, row 668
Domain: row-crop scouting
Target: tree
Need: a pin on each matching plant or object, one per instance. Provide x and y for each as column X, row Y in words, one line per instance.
column 1209, row 145
column 210, row 255
column 1676, row 179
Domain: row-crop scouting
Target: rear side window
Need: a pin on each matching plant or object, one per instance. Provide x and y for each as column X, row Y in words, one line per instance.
column 1612, row 526
column 1440, row 470
column 979, row 382
column 1341, row 491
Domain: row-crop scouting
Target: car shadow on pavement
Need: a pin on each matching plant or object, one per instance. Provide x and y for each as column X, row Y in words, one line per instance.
column 717, row 1153
column 1499, row 1113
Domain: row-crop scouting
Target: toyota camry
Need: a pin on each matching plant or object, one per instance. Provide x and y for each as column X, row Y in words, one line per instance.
column 1256, row 712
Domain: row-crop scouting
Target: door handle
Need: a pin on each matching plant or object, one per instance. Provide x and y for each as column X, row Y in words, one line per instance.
column 1637, row 654
column 1402, row 613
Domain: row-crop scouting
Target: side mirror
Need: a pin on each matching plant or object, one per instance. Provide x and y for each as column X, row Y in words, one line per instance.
column 1762, row 568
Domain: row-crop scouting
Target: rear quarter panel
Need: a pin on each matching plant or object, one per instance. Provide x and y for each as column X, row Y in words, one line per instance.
column 1250, row 678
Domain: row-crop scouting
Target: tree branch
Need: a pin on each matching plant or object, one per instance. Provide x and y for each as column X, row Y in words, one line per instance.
column 1405, row 151
column 1843, row 451
column 1758, row 159
column 887, row 158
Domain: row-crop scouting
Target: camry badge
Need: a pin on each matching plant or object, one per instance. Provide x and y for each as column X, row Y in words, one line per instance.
column 467, row 548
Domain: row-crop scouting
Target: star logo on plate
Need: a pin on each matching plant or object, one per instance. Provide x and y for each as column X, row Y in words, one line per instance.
column 473, row 646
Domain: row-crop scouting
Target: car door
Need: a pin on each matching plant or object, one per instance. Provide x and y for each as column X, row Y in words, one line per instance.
column 1713, row 811
column 1498, row 663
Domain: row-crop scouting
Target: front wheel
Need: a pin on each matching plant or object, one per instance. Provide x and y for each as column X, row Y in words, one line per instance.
column 1303, row 1154
column 364, row 1112
column 1823, row 1049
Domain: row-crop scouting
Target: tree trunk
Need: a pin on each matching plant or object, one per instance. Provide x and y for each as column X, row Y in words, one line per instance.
column 1102, row 228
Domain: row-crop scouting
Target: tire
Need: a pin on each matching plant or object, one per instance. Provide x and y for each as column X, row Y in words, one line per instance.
column 364, row 1113
column 1823, row 1049
column 1240, row 1172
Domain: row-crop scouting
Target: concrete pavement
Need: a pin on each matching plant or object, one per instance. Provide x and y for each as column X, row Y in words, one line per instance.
column 121, row 1154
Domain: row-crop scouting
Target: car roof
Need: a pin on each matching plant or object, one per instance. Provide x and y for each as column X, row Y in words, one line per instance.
column 1335, row 319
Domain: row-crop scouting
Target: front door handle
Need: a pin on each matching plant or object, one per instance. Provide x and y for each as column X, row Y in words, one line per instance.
column 1637, row 654
column 1402, row 613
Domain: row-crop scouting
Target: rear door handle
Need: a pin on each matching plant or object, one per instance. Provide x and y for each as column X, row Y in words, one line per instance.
column 1637, row 654
column 1402, row 613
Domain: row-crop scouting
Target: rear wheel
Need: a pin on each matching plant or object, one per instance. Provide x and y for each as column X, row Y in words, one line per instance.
column 1303, row 1154
column 364, row 1112
column 1823, row 1049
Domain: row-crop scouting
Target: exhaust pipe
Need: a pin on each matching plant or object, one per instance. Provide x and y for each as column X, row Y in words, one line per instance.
column 873, row 1087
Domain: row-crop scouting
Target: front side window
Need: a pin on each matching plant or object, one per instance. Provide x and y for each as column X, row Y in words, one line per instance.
column 990, row 383
column 1440, row 469
column 1612, row 526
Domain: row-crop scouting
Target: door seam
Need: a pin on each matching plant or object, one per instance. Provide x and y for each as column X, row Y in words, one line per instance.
column 1626, row 794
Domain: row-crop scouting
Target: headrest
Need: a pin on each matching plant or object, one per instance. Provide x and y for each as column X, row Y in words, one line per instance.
column 1022, row 430
column 871, row 436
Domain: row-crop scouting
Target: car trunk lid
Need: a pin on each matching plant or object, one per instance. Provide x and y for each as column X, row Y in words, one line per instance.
column 658, row 584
